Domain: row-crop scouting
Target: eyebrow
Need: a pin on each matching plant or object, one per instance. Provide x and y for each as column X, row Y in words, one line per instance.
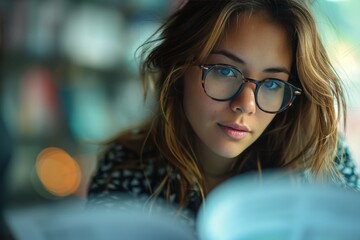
column 239, row 60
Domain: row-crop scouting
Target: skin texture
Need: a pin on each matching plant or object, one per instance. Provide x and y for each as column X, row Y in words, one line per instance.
column 261, row 49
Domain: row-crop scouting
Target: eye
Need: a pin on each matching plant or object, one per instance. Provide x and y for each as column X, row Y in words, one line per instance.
column 273, row 84
column 225, row 71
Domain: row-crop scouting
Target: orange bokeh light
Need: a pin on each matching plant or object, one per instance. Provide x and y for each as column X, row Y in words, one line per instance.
column 59, row 173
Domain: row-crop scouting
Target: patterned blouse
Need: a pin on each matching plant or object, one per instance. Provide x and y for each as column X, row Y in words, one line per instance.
column 122, row 187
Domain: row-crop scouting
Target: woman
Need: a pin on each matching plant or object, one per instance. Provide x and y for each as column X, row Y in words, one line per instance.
column 242, row 86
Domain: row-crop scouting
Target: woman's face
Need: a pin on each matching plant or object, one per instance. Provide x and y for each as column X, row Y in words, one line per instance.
column 260, row 49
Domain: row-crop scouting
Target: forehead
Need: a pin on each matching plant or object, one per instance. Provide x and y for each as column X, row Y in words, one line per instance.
column 257, row 38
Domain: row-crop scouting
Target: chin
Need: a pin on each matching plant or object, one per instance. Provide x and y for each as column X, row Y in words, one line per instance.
column 229, row 154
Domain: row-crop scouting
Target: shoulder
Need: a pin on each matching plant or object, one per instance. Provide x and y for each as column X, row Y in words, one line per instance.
column 347, row 166
column 121, row 171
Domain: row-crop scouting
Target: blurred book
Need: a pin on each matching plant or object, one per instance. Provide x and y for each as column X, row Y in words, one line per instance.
column 273, row 207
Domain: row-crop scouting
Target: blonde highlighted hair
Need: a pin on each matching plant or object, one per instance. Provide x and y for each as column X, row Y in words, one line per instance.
column 304, row 137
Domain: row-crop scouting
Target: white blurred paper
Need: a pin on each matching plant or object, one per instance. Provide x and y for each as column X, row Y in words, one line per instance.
column 279, row 207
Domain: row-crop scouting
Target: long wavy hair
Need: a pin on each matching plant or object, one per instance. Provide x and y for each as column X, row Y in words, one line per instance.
column 304, row 137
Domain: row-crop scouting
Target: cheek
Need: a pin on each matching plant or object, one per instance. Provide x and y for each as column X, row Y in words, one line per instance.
column 194, row 102
column 198, row 106
column 264, row 120
column 192, row 92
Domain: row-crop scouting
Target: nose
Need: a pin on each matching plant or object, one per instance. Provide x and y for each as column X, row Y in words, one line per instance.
column 245, row 102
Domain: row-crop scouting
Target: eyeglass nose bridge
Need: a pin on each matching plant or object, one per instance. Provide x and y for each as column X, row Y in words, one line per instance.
column 245, row 81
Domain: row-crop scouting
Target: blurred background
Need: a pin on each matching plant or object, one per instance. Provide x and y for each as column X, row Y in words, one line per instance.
column 69, row 81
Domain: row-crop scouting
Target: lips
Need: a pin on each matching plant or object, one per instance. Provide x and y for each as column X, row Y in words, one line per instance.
column 235, row 126
column 235, row 131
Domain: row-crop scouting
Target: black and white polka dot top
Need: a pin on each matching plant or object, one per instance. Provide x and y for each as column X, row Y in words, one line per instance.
column 115, row 183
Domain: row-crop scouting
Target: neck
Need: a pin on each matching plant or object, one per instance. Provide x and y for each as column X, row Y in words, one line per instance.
column 217, row 174
column 215, row 168
column 213, row 181
column 212, row 164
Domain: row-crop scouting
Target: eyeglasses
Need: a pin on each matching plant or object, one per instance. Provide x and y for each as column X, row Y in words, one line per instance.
column 224, row 82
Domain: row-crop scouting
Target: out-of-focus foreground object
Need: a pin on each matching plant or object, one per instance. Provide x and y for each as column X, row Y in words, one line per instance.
column 279, row 206
column 69, row 222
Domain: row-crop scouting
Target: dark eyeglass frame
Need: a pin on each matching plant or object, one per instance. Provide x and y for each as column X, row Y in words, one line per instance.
column 206, row 68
